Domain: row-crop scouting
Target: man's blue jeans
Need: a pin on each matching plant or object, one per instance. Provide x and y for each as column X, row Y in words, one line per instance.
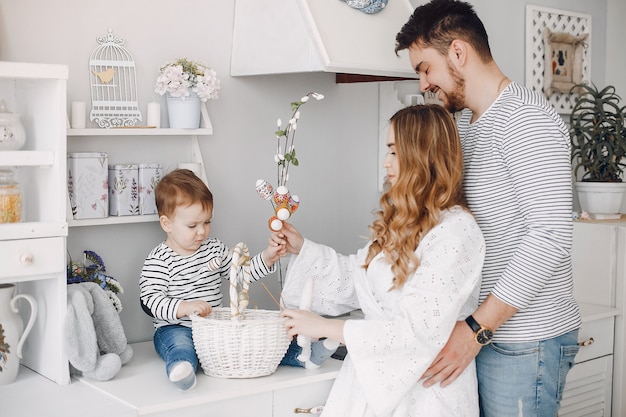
column 525, row 379
column 174, row 344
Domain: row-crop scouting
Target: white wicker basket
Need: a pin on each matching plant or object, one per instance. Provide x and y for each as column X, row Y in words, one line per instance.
column 249, row 347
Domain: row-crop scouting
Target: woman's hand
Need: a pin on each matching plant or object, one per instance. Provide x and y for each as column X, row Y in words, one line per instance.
column 288, row 239
column 312, row 325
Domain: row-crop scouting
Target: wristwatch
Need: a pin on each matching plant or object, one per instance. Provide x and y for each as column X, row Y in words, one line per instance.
column 482, row 335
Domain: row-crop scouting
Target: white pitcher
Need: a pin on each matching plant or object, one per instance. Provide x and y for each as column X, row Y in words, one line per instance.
column 12, row 333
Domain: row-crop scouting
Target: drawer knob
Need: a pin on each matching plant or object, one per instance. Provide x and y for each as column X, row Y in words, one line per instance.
column 587, row 342
column 27, row 259
column 312, row 410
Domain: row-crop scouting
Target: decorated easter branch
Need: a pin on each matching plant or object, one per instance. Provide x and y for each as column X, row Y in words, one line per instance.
column 283, row 202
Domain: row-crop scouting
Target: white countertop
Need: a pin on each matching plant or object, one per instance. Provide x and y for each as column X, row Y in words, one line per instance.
column 32, row 395
column 141, row 387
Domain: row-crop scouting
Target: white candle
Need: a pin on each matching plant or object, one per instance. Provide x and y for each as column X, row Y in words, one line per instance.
column 78, row 114
column 154, row 114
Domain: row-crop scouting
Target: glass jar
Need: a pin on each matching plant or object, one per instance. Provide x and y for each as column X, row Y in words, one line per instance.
column 10, row 197
column 12, row 135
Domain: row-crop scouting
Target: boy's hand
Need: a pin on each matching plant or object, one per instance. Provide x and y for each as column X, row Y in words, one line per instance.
column 272, row 253
column 199, row 307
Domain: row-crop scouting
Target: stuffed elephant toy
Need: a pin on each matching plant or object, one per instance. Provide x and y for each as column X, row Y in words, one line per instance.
column 95, row 342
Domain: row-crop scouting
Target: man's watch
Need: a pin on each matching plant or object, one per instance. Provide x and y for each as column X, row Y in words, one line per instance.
column 482, row 335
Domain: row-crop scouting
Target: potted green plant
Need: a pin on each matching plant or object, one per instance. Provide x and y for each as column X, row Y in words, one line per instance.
column 598, row 138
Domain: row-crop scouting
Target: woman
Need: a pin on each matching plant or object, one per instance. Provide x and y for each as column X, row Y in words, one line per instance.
column 417, row 276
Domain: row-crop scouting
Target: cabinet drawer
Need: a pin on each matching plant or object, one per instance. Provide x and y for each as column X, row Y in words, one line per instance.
column 27, row 257
column 588, row 389
column 303, row 396
column 601, row 331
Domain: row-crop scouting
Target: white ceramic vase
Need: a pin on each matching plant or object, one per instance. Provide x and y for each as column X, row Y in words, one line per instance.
column 602, row 200
column 12, row 333
column 184, row 112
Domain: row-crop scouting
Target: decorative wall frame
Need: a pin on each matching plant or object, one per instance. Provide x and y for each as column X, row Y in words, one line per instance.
column 551, row 33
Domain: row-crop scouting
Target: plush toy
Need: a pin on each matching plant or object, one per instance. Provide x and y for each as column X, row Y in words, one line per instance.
column 95, row 342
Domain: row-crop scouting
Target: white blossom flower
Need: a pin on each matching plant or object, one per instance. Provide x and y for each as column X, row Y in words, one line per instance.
column 286, row 138
column 179, row 77
column 117, row 303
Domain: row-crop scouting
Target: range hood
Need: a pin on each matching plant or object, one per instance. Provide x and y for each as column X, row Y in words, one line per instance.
column 295, row 36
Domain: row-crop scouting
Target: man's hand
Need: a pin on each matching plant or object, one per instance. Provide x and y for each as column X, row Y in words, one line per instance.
column 452, row 360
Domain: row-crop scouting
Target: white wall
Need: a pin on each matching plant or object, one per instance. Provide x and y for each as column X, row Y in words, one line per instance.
column 337, row 139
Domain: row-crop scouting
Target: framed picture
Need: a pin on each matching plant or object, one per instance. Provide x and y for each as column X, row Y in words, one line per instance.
column 563, row 65
column 558, row 53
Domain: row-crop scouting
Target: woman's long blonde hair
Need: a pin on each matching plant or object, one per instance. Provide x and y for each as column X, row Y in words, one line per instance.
column 429, row 180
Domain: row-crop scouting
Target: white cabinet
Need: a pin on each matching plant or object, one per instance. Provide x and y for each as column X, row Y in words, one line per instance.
column 293, row 36
column 301, row 398
column 139, row 145
column 143, row 385
column 599, row 260
column 588, row 388
column 32, row 252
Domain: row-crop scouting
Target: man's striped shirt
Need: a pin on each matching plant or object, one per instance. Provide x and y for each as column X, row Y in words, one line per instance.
column 518, row 183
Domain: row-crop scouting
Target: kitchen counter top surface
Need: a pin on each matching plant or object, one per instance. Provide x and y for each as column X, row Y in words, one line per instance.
column 141, row 387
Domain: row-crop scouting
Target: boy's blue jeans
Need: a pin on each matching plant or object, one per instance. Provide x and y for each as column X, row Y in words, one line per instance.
column 525, row 379
column 174, row 343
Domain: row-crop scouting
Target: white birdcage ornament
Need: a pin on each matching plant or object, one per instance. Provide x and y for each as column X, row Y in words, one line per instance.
column 113, row 82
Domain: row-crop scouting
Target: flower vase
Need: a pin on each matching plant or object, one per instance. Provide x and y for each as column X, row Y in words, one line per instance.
column 12, row 333
column 184, row 112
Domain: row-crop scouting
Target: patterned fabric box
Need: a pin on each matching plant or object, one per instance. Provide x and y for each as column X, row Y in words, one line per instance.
column 149, row 176
column 124, row 190
column 87, row 184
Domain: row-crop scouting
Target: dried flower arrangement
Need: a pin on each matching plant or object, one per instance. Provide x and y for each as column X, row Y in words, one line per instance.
column 92, row 269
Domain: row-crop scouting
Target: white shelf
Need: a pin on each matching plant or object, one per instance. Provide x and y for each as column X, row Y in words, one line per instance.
column 88, row 133
column 32, row 230
column 33, row 251
column 26, row 158
column 145, row 218
column 139, row 131
column 27, row 70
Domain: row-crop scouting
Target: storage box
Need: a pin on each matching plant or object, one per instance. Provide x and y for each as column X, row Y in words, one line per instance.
column 123, row 190
column 87, row 184
column 149, row 176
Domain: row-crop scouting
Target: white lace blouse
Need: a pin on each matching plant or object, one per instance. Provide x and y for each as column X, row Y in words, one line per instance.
column 403, row 330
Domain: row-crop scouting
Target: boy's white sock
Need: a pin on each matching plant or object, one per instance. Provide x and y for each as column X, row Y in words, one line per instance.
column 183, row 375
